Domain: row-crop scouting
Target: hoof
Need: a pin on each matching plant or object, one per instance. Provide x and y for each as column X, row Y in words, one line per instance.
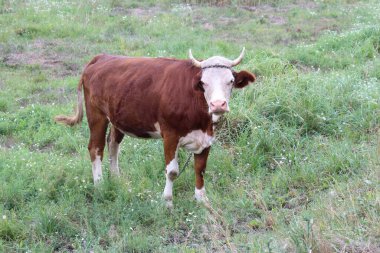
column 169, row 204
column 115, row 173
column 97, row 181
column 168, row 201
column 200, row 195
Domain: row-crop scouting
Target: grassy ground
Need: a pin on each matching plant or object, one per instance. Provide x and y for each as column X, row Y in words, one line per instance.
column 296, row 166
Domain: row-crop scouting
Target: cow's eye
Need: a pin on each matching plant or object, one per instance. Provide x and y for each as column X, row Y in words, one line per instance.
column 201, row 86
column 231, row 82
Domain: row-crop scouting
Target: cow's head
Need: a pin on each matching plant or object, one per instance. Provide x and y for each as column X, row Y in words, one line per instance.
column 217, row 80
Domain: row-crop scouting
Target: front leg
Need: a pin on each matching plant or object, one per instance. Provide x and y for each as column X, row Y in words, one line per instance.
column 200, row 162
column 170, row 149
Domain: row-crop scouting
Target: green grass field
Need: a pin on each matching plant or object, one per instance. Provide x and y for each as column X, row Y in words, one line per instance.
column 296, row 164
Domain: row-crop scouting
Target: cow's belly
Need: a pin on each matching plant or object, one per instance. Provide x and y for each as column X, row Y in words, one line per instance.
column 141, row 132
column 196, row 141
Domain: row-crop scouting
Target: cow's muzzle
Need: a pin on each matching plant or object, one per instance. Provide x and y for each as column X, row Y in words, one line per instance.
column 219, row 107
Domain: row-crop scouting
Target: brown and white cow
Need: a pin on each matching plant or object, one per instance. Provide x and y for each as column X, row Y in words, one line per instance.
column 177, row 100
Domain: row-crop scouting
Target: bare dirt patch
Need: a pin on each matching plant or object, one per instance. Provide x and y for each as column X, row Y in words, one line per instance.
column 44, row 54
column 267, row 8
column 46, row 148
column 265, row 23
column 144, row 13
column 8, row 142
column 182, row 235
column 351, row 246
column 272, row 14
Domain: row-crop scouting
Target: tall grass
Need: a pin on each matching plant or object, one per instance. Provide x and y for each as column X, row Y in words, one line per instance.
column 295, row 166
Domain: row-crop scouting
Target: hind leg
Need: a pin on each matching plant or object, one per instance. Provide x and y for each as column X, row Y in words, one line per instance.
column 96, row 148
column 98, row 124
column 114, row 139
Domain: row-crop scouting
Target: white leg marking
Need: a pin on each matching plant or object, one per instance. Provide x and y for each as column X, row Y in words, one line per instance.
column 97, row 169
column 114, row 157
column 168, row 192
column 172, row 168
column 200, row 194
column 171, row 173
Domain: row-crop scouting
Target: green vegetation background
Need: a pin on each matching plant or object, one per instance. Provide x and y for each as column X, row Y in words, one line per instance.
column 296, row 163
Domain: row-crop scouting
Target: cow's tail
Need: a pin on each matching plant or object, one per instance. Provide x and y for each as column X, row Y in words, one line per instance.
column 77, row 118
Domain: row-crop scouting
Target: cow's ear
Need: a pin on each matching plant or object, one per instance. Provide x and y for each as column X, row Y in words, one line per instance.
column 243, row 78
column 198, row 85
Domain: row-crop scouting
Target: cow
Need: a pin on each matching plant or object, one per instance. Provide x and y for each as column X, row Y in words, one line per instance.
column 177, row 100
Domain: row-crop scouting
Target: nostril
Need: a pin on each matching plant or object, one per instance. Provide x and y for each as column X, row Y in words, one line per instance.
column 219, row 105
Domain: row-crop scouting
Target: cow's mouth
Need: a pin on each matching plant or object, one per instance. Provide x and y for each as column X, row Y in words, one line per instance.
column 219, row 112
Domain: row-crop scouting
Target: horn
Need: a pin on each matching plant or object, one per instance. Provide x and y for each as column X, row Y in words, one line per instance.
column 195, row 62
column 238, row 60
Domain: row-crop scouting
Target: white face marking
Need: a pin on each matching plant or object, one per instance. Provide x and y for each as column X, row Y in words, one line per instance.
column 217, row 82
column 196, row 141
column 113, row 149
column 97, row 169
column 200, row 194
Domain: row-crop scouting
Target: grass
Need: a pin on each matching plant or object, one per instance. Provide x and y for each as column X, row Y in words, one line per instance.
column 296, row 163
